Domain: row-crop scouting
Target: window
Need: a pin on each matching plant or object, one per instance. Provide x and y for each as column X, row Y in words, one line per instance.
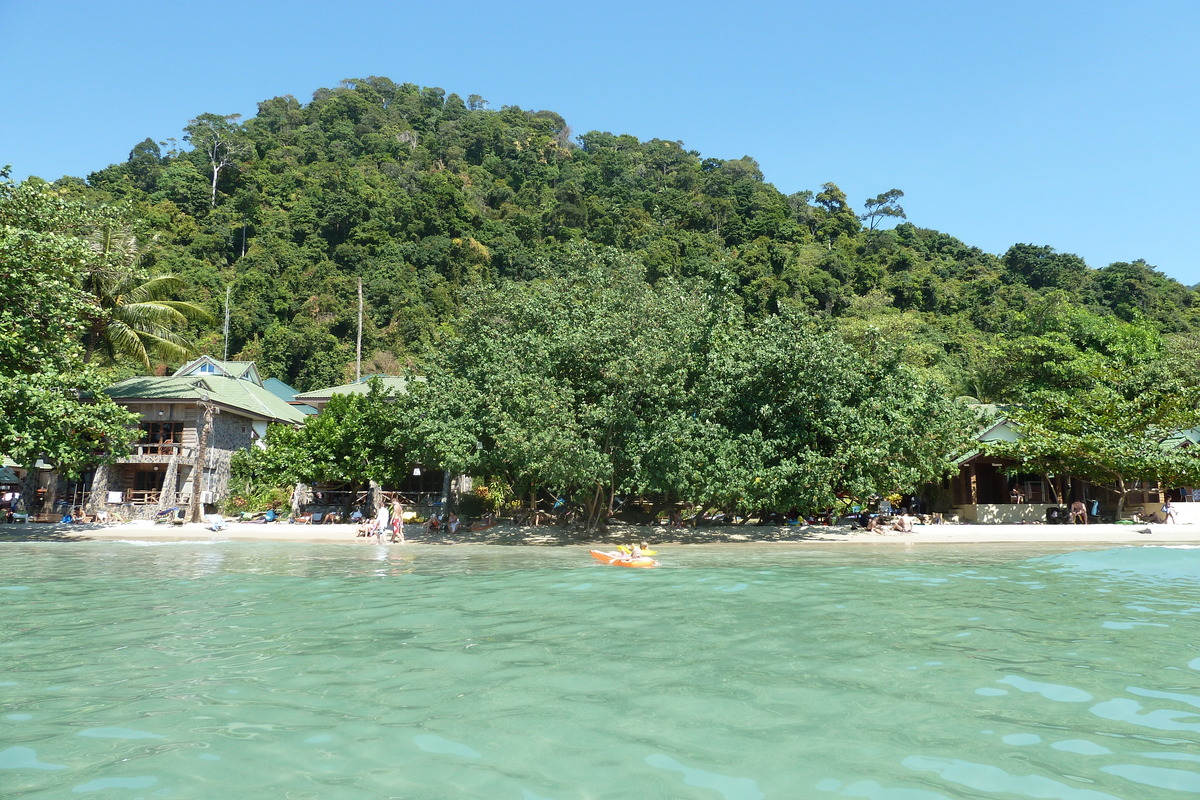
column 207, row 367
column 161, row 438
column 146, row 480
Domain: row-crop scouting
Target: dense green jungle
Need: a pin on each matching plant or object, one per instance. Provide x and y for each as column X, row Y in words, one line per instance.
column 461, row 220
column 423, row 195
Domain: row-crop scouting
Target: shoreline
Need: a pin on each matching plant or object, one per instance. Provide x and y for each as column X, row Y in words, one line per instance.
column 508, row 534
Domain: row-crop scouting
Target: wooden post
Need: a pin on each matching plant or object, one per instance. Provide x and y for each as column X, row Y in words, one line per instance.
column 358, row 346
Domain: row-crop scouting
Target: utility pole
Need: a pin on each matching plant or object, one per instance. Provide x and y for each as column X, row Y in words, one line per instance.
column 228, row 289
column 358, row 351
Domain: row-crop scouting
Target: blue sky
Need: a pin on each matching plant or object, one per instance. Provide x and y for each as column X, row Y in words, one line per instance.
column 1067, row 124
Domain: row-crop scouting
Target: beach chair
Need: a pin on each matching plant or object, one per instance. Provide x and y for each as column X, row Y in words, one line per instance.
column 315, row 518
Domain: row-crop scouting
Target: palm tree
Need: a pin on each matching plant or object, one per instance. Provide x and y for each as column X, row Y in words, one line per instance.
column 131, row 317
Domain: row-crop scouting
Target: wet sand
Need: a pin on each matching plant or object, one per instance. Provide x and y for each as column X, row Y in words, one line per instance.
column 507, row 534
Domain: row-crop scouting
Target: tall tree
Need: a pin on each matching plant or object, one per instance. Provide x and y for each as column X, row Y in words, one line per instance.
column 1040, row 267
column 884, row 205
column 221, row 140
column 836, row 218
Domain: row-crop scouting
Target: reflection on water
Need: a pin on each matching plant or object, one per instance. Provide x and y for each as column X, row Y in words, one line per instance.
column 200, row 669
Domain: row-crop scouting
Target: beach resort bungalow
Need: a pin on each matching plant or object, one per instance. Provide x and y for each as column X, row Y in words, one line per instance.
column 192, row 423
column 988, row 489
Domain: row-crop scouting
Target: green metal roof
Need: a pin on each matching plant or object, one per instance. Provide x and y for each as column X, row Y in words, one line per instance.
column 239, row 395
column 285, row 393
column 392, row 385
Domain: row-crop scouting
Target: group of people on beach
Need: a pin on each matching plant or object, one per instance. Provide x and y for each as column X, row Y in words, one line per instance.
column 901, row 523
column 389, row 519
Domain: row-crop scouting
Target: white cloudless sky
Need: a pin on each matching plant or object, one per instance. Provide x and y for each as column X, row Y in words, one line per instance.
column 1067, row 124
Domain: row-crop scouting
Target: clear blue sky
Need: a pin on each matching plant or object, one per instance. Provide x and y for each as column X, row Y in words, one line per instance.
column 1069, row 124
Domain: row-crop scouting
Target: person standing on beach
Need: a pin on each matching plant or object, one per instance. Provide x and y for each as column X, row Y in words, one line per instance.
column 381, row 520
column 397, row 521
column 1168, row 511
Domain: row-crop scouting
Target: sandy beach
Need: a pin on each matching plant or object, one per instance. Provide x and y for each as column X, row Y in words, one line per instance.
column 507, row 534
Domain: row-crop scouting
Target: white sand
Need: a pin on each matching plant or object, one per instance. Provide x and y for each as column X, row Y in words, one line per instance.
column 509, row 534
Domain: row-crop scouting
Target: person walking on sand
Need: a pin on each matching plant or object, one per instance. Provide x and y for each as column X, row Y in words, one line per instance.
column 381, row 522
column 1168, row 511
column 397, row 521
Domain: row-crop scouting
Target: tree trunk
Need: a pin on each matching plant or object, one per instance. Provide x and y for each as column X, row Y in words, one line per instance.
column 195, row 509
column 98, row 497
column 597, row 518
column 216, row 172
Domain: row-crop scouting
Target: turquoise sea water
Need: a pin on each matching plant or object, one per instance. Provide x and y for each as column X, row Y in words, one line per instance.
column 305, row 671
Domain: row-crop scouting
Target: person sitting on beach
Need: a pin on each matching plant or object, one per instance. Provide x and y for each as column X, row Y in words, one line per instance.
column 452, row 523
column 485, row 522
column 875, row 525
column 366, row 527
column 433, row 523
column 1078, row 512
column 903, row 523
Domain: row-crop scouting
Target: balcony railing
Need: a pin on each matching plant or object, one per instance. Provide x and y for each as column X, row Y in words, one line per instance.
column 158, row 449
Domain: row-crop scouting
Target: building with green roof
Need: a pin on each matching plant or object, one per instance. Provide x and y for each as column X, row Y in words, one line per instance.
column 392, row 385
column 164, row 469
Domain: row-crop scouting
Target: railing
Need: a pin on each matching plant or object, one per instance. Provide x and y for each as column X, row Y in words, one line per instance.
column 158, row 449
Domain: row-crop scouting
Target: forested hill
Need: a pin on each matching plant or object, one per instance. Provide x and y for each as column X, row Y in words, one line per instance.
column 423, row 194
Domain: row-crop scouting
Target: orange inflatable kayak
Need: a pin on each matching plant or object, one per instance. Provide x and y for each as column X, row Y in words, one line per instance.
column 623, row 560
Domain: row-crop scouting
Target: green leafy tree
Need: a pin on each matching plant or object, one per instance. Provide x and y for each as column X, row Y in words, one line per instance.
column 1043, row 268
column 1129, row 424
column 564, row 381
column 51, row 406
column 350, row 440
column 881, row 206
column 129, row 314
column 793, row 416
column 836, row 218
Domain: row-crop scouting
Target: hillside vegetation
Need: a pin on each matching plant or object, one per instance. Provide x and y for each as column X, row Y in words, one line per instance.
column 425, row 196
column 594, row 315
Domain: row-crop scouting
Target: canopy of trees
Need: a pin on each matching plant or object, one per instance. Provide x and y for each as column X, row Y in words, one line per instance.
column 425, row 196
column 456, row 216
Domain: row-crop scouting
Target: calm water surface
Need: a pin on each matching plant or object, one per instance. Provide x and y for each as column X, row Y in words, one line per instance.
column 305, row 671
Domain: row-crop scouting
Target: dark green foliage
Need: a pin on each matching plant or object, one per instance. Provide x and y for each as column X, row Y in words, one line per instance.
column 428, row 198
